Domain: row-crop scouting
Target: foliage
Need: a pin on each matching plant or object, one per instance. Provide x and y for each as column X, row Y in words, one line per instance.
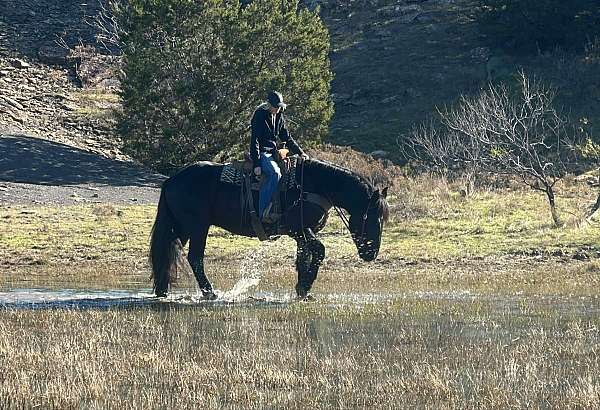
column 538, row 25
column 195, row 71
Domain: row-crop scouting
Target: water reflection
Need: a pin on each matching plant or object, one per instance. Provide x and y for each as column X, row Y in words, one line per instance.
column 101, row 299
column 39, row 298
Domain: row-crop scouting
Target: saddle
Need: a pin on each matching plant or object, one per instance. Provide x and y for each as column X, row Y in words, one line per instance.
column 241, row 174
column 236, row 172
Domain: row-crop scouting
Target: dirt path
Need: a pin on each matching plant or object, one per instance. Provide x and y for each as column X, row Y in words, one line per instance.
column 42, row 172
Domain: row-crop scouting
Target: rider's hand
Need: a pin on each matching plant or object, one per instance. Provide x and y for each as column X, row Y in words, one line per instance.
column 304, row 157
column 257, row 171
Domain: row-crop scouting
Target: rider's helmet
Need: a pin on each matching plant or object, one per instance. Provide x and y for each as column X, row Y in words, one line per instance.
column 275, row 99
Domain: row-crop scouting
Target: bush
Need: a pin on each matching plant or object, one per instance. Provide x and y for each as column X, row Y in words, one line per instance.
column 194, row 72
column 538, row 25
column 381, row 173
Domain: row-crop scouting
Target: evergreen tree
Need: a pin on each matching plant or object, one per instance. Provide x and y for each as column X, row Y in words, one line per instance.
column 194, row 72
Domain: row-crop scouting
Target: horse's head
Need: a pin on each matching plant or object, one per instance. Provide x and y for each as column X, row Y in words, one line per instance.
column 366, row 225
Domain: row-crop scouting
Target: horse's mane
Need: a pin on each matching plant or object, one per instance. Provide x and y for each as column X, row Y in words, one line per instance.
column 341, row 172
column 345, row 173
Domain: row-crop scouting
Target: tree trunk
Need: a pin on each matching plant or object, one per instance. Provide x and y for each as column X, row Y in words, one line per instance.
column 550, row 194
column 596, row 206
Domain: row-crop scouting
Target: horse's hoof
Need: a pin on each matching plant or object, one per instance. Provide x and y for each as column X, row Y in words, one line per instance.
column 161, row 294
column 306, row 298
column 301, row 292
column 209, row 295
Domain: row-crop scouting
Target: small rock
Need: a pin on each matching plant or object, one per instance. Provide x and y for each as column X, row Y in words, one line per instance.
column 53, row 55
column 581, row 256
column 20, row 64
column 12, row 103
column 4, row 73
column 379, row 154
column 591, row 180
column 389, row 99
column 411, row 93
column 409, row 18
column 480, row 54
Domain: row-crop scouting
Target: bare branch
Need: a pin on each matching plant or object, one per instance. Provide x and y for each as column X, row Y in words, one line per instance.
column 499, row 132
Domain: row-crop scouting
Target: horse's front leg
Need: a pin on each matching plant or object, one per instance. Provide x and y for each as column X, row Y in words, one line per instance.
column 196, row 260
column 309, row 257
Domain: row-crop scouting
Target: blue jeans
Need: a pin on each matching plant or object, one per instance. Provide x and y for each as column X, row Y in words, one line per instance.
column 273, row 175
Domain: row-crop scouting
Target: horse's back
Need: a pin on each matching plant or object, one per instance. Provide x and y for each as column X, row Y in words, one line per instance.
column 192, row 188
column 197, row 196
column 201, row 175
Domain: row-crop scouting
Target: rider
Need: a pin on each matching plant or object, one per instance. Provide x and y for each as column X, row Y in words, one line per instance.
column 267, row 125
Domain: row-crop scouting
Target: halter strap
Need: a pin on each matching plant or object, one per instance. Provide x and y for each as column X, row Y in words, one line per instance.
column 346, row 221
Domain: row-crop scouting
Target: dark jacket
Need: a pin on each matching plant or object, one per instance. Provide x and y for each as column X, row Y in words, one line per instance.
column 264, row 134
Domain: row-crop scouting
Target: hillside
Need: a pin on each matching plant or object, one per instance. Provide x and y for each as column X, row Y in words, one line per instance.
column 394, row 61
column 48, row 84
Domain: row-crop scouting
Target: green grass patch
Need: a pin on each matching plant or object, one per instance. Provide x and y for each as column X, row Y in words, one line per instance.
column 494, row 242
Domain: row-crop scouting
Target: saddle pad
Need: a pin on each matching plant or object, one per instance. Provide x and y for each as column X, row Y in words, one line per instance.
column 234, row 176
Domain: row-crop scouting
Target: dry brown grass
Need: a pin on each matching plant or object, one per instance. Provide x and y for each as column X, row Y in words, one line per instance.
column 380, row 172
column 408, row 354
column 474, row 303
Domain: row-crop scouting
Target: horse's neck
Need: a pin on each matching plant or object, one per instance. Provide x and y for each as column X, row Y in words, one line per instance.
column 342, row 188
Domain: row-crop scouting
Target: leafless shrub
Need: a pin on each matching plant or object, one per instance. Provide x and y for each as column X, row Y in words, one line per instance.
column 381, row 173
column 592, row 50
column 499, row 132
column 109, row 33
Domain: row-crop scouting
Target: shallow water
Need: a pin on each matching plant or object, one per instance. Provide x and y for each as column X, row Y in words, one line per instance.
column 241, row 295
column 39, row 298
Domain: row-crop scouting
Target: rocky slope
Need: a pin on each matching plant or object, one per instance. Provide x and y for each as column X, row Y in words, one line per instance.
column 394, row 61
column 57, row 143
column 387, row 56
column 43, row 89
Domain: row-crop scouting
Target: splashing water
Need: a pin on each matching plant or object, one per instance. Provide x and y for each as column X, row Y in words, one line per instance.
column 252, row 268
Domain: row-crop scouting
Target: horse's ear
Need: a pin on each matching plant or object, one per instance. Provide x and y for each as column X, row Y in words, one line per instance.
column 384, row 192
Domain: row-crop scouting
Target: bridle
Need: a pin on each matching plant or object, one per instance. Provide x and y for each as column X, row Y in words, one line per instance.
column 346, row 220
column 343, row 217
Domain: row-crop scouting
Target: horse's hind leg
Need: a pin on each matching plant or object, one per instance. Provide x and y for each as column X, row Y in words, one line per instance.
column 309, row 257
column 196, row 260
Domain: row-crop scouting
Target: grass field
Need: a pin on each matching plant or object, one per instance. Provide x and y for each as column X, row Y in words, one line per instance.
column 473, row 302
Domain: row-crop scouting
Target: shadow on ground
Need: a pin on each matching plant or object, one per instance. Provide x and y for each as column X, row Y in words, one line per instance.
column 29, row 160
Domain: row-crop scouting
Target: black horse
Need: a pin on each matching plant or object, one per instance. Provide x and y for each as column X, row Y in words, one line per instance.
column 196, row 198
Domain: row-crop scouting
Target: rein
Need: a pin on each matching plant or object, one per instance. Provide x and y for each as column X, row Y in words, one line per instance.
column 346, row 220
column 343, row 217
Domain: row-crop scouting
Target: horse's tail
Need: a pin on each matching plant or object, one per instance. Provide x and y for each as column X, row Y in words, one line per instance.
column 165, row 247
